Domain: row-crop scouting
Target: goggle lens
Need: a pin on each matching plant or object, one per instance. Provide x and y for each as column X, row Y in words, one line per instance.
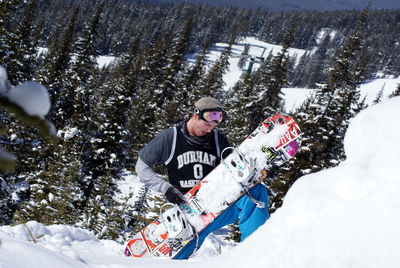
column 213, row 116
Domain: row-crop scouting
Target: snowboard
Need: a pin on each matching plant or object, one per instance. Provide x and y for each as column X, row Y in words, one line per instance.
column 272, row 143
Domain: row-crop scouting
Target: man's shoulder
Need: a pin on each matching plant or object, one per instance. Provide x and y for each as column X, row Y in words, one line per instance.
column 159, row 148
column 168, row 132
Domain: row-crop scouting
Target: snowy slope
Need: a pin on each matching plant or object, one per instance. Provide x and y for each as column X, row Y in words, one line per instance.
column 294, row 97
column 257, row 49
column 102, row 60
column 341, row 217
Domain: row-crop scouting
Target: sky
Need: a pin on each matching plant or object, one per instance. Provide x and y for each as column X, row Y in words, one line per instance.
column 345, row 216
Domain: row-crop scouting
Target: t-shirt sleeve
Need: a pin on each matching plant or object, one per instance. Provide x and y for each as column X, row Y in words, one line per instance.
column 158, row 150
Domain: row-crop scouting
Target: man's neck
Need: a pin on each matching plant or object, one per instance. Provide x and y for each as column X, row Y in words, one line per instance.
column 190, row 127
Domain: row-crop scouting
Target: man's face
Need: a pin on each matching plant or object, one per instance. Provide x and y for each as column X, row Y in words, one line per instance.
column 202, row 127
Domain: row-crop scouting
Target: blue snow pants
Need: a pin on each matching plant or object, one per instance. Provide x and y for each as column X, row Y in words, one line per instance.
column 250, row 218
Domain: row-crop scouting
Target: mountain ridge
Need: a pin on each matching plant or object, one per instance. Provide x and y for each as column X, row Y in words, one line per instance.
column 290, row 5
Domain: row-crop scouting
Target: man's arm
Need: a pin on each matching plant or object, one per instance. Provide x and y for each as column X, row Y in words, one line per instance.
column 157, row 151
column 150, row 178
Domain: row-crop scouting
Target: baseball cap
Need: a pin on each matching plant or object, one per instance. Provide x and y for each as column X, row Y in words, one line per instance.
column 208, row 103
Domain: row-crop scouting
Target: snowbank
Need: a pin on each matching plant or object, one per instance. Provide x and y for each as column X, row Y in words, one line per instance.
column 340, row 217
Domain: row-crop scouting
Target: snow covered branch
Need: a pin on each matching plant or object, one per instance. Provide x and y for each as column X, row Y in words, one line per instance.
column 29, row 103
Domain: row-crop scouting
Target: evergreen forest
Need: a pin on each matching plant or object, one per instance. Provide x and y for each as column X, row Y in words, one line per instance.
column 103, row 116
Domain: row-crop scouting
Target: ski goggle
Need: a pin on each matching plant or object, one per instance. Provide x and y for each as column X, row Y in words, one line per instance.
column 210, row 115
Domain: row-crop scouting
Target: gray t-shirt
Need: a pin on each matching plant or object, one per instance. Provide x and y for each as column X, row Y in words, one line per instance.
column 160, row 150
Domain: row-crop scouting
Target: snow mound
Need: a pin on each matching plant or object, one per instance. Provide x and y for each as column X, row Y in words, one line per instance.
column 58, row 234
column 17, row 253
column 345, row 216
column 373, row 135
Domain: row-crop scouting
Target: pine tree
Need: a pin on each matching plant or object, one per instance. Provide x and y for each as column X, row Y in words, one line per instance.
column 128, row 85
column 102, row 212
column 8, row 10
column 235, row 234
column 396, row 92
column 141, row 125
column 83, row 77
column 240, row 109
column 142, row 116
column 56, row 72
column 189, row 85
column 18, row 167
column 20, row 60
column 86, row 52
column 23, row 47
column 325, row 116
column 301, row 72
column 105, row 154
column 170, row 86
column 244, row 57
column 318, row 70
column 341, row 95
column 127, row 72
column 272, row 78
column 138, row 218
column 213, row 83
column 55, row 191
column 3, row 31
column 379, row 95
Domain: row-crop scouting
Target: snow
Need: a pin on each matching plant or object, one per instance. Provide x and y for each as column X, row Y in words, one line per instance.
column 341, row 217
column 294, row 97
column 345, row 216
column 323, row 32
column 30, row 96
column 257, row 49
column 371, row 88
column 104, row 60
column 3, row 79
column 33, row 97
column 69, row 133
column 42, row 51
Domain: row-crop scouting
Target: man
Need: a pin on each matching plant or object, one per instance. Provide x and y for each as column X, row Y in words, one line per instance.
column 190, row 151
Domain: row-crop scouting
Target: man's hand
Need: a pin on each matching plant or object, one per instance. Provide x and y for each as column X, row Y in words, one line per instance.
column 174, row 196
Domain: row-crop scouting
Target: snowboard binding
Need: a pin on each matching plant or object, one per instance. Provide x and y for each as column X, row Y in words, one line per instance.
column 244, row 172
column 176, row 223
